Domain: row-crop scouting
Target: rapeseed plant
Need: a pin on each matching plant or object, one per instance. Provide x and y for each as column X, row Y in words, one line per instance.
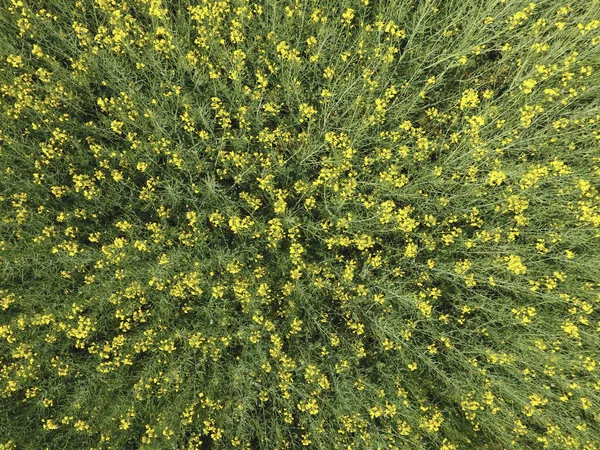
column 277, row 225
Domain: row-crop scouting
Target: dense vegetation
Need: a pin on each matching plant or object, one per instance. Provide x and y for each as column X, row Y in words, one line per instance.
column 350, row 224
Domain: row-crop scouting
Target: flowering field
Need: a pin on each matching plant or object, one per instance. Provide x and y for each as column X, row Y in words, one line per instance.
column 352, row 224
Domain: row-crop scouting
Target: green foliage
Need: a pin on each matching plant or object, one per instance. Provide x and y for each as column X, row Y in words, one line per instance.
column 276, row 225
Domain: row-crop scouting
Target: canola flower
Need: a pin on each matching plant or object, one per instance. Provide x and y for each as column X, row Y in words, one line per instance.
column 279, row 225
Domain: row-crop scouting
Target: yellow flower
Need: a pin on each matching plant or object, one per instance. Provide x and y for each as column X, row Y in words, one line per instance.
column 347, row 16
column 116, row 126
column 15, row 60
column 306, row 112
column 496, row 177
column 37, row 51
column 528, row 85
column 157, row 9
column 216, row 218
column 515, row 265
column 470, row 99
